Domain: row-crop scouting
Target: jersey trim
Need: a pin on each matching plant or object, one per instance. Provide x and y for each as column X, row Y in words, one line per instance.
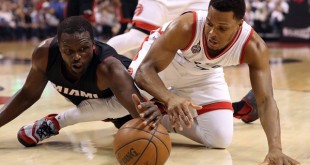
column 193, row 32
column 144, row 25
column 215, row 106
column 244, row 45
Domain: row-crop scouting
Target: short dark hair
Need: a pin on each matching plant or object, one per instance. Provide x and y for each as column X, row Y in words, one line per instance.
column 236, row 6
column 75, row 24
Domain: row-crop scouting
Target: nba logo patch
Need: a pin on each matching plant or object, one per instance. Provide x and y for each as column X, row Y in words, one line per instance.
column 196, row 48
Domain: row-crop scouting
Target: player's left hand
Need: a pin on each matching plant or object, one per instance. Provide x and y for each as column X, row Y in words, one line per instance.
column 148, row 111
column 276, row 157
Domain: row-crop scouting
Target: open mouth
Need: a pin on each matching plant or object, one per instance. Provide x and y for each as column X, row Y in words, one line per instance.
column 77, row 66
column 212, row 43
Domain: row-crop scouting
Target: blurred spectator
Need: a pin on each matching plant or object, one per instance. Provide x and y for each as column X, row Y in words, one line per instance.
column 249, row 14
column 7, row 23
column 58, row 7
column 261, row 14
column 279, row 9
column 51, row 19
column 107, row 24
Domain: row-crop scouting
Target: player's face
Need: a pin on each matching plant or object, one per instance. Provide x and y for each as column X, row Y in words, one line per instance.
column 76, row 51
column 220, row 28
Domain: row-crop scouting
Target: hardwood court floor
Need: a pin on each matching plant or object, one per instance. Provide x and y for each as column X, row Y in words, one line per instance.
column 91, row 143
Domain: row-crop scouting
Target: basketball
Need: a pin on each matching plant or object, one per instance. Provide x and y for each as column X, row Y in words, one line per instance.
column 136, row 144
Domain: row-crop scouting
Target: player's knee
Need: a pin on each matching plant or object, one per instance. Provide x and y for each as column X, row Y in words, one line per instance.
column 220, row 138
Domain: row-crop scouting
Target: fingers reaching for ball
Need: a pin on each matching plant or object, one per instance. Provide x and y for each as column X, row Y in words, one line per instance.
column 149, row 112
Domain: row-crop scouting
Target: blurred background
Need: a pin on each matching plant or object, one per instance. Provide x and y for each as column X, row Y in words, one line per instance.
column 274, row 20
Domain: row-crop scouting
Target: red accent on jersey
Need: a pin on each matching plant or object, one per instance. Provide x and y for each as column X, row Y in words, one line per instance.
column 215, row 106
column 145, row 39
column 144, row 25
column 193, row 32
column 135, row 57
column 245, row 44
column 130, row 71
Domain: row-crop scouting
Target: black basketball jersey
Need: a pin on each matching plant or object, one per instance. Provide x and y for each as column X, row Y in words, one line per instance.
column 86, row 87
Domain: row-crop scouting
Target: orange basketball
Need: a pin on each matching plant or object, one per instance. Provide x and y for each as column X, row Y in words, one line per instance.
column 136, row 144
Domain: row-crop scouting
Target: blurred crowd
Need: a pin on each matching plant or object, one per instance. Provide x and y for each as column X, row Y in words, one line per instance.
column 38, row 19
column 267, row 16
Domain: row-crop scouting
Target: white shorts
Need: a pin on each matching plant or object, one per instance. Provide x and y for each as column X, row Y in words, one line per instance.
column 158, row 12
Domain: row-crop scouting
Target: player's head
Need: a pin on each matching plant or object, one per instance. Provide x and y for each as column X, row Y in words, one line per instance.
column 76, row 43
column 235, row 6
column 75, row 24
column 223, row 22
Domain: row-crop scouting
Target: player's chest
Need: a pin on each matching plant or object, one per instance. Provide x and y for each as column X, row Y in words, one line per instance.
column 200, row 60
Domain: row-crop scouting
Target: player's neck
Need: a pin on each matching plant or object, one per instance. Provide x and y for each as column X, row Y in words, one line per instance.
column 214, row 53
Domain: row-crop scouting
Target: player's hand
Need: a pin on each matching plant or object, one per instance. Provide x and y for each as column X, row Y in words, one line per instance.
column 178, row 108
column 276, row 157
column 148, row 111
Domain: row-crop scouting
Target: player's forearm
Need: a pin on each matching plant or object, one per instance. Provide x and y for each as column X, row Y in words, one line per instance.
column 269, row 116
column 151, row 83
column 16, row 105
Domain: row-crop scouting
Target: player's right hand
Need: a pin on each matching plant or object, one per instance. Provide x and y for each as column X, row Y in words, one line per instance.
column 178, row 108
column 277, row 157
column 148, row 111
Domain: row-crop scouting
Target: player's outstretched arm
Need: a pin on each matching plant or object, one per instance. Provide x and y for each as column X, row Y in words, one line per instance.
column 159, row 56
column 256, row 55
column 112, row 74
column 31, row 90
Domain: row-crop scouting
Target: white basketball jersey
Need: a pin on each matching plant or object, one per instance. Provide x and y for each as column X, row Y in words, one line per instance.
column 195, row 57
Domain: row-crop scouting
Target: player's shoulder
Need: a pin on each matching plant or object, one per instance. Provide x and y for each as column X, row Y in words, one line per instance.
column 255, row 49
column 256, row 44
column 40, row 54
column 45, row 44
column 184, row 22
column 42, row 48
column 109, row 65
column 181, row 28
column 103, row 49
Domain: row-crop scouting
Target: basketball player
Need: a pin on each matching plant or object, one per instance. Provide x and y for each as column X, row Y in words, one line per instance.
column 146, row 20
column 88, row 73
column 188, row 54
